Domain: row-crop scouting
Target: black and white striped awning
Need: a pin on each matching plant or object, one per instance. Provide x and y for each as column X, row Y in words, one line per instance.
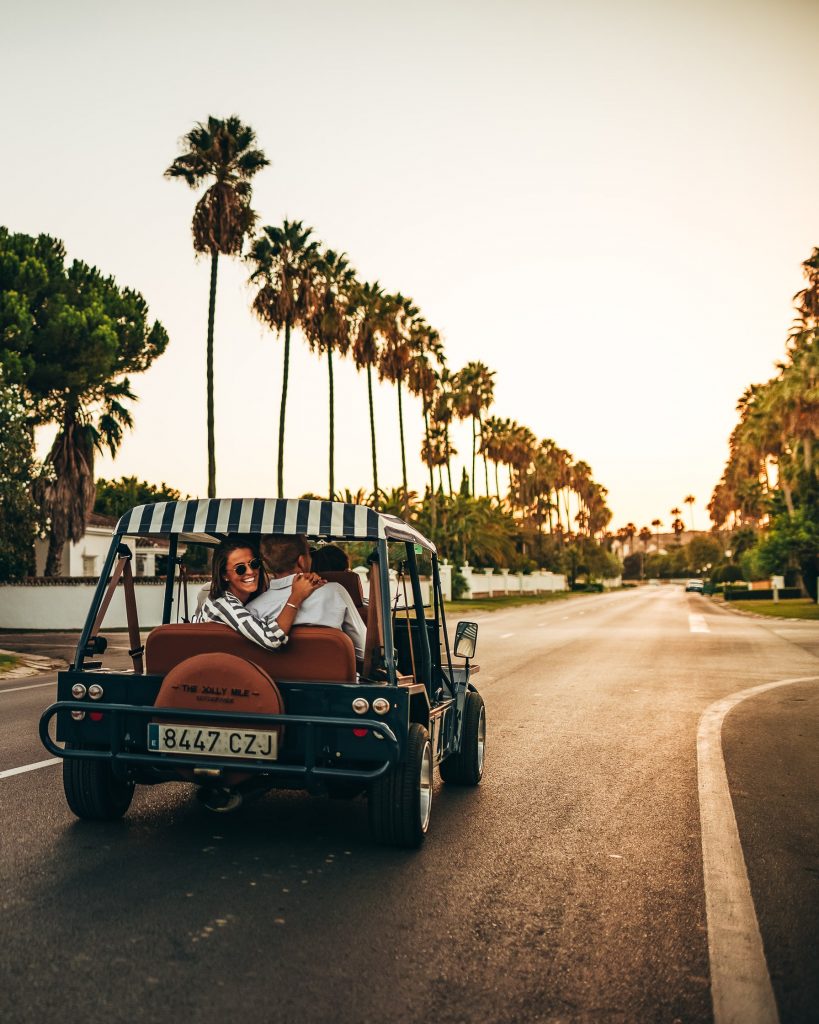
column 206, row 521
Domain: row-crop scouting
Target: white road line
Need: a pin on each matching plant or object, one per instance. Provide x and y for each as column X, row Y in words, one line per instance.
column 31, row 686
column 697, row 623
column 505, row 636
column 28, row 768
column 740, row 984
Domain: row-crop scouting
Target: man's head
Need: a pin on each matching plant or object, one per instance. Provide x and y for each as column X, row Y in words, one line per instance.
column 286, row 555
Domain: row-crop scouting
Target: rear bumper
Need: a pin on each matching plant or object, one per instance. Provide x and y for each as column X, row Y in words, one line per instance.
column 124, row 745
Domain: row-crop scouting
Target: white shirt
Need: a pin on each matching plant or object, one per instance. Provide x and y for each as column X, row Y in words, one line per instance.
column 330, row 605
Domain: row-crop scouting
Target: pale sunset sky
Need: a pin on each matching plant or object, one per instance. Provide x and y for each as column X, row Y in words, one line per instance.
column 607, row 201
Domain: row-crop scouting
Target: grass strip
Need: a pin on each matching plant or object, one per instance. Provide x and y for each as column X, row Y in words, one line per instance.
column 793, row 608
column 8, row 662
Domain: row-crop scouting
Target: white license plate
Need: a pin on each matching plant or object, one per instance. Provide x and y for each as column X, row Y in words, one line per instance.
column 256, row 744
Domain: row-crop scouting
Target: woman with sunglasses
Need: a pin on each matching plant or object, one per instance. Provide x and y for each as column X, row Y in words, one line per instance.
column 239, row 576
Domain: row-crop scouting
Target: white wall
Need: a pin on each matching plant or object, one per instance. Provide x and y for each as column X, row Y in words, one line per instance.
column 65, row 606
column 496, row 582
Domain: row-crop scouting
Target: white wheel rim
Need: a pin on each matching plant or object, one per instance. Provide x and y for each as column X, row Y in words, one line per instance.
column 481, row 741
column 425, row 787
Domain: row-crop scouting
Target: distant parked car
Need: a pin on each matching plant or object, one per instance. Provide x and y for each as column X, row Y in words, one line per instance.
column 694, row 587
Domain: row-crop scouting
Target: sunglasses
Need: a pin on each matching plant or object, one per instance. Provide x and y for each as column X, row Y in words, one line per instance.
column 241, row 568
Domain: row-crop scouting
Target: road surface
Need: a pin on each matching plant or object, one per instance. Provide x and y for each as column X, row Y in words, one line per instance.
column 570, row 886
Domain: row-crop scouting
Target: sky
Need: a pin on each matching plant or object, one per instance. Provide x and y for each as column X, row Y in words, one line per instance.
column 606, row 201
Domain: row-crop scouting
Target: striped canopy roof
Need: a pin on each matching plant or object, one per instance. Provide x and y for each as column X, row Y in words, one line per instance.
column 207, row 520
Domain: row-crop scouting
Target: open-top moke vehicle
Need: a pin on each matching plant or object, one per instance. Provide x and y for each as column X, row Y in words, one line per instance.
column 202, row 704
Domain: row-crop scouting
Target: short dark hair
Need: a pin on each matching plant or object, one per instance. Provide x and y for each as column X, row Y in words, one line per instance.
column 282, row 553
column 330, row 558
column 218, row 583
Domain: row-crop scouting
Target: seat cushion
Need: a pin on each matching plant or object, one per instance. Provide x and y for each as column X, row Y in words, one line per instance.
column 313, row 653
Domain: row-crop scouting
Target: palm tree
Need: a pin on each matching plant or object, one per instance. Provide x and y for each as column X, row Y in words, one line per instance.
column 328, row 326
column 225, row 151
column 657, row 523
column 493, row 441
column 367, row 312
column 422, row 379
column 399, row 315
column 443, row 412
column 474, row 393
column 283, row 262
column 89, row 421
column 690, row 500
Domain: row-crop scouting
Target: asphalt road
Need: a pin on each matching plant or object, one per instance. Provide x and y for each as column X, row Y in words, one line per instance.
column 568, row 887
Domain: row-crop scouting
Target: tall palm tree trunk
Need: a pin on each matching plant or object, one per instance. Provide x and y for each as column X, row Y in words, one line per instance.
column 372, row 432
column 332, row 422
column 474, row 435
column 485, row 460
column 433, row 508
column 214, row 265
column 403, row 448
column 285, row 372
column 448, row 458
column 497, row 483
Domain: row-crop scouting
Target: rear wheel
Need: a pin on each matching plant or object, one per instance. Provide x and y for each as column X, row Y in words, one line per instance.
column 466, row 767
column 400, row 802
column 93, row 791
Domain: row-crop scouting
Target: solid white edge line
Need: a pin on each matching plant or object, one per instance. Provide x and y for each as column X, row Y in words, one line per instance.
column 31, row 686
column 28, row 768
column 741, row 988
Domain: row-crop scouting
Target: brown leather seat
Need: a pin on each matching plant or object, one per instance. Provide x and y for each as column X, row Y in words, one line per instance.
column 351, row 582
column 313, row 653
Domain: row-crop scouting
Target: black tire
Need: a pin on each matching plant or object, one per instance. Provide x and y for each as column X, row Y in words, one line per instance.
column 465, row 768
column 93, row 791
column 400, row 802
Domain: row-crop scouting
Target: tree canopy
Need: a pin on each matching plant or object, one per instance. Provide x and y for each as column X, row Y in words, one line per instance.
column 115, row 497
column 69, row 336
column 17, row 510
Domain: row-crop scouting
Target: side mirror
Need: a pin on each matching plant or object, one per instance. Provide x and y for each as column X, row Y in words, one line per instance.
column 466, row 639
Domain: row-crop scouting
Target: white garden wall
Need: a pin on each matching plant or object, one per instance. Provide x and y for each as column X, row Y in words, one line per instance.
column 65, row 605
column 497, row 582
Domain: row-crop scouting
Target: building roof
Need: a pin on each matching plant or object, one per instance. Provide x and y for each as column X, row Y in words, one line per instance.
column 95, row 519
column 207, row 520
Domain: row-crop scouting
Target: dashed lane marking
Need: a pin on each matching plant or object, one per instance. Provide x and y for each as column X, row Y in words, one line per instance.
column 31, row 686
column 505, row 636
column 740, row 984
column 697, row 623
column 28, row 768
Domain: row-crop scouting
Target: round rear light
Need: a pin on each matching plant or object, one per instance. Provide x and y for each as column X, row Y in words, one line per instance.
column 78, row 715
column 361, row 705
column 78, row 691
column 95, row 691
column 381, row 705
column 96, row 716
column 360, row 732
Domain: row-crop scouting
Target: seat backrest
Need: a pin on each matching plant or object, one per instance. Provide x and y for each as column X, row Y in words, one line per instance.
column 313, row 653
column 351, row 582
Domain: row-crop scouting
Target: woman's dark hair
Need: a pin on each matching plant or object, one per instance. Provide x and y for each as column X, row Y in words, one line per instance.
column 330, row 558
column 218, row 583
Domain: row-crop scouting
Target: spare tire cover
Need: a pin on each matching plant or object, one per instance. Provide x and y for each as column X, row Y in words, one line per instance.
column 216, row 682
